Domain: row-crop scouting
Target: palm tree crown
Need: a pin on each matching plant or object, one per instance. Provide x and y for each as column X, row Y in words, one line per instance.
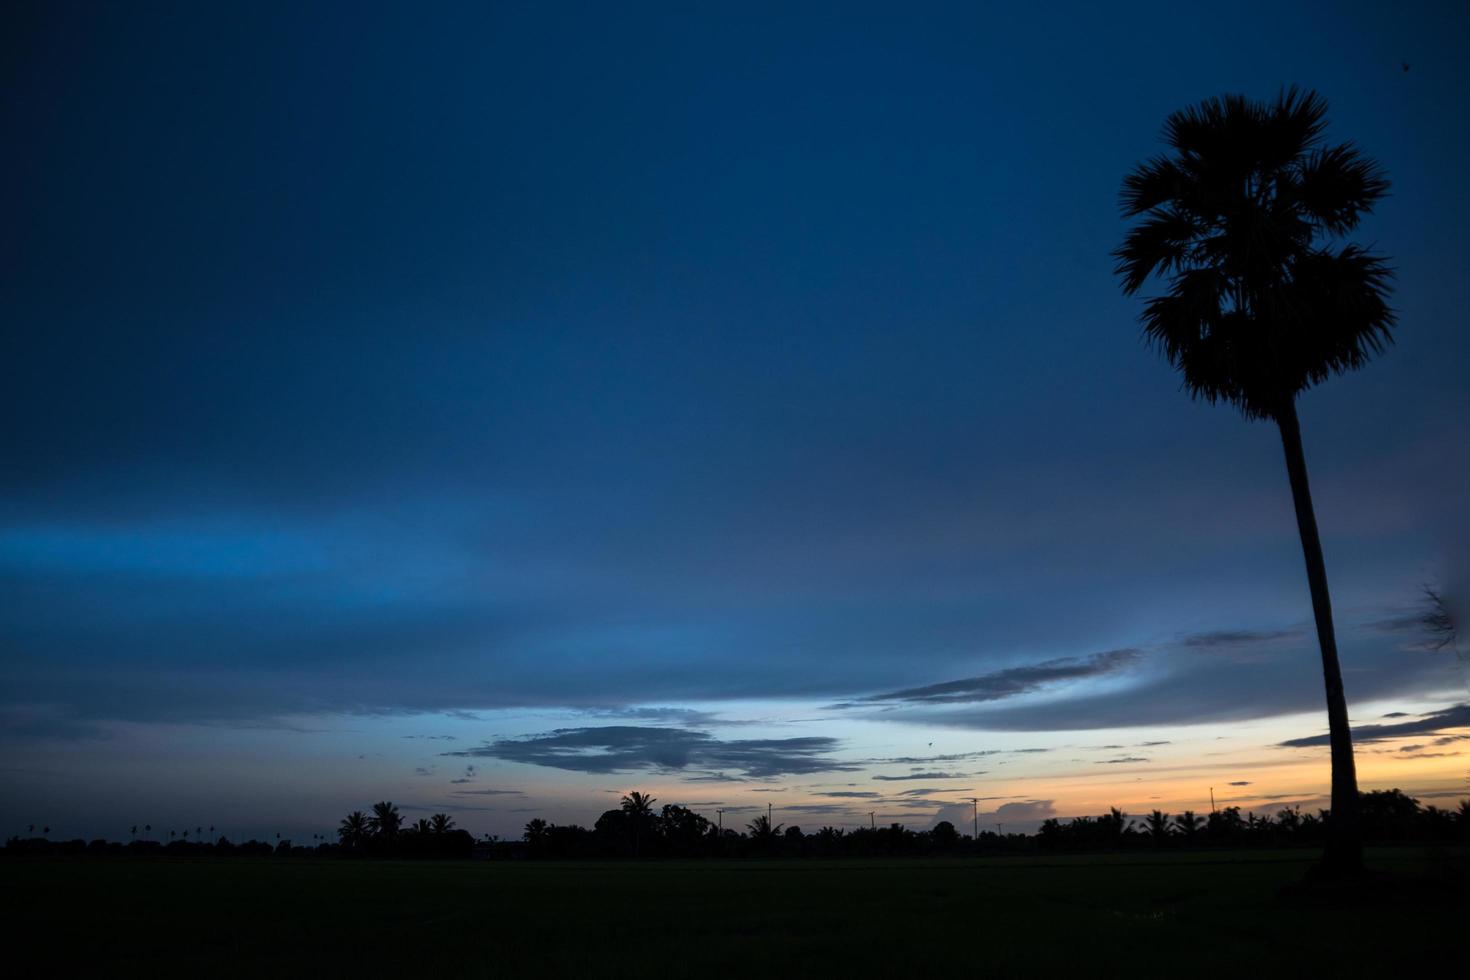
column 762, row 829
column 385, row 820
column 1241, row 219
column 638, row 806
column 354, row 828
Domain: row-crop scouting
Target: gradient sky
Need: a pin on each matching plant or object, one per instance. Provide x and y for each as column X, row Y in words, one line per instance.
column 494, row 409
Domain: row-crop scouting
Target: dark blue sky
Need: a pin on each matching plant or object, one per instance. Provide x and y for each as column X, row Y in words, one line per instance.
column 360, row 360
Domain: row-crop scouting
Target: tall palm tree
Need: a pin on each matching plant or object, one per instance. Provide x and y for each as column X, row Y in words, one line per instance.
column 441, row 823
column 354, row 829
column 386, row 820
column 639, row 808
column 1244, row 221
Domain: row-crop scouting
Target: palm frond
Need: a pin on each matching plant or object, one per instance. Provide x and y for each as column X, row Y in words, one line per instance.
column 1336, row 186
column 1150, row 185
column 1160, row 243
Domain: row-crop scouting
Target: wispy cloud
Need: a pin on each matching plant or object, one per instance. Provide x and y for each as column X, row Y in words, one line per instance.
column 627, row 748
column 1010, row 682
column 1218, row 639
column 1430, row 724
column 487, row 792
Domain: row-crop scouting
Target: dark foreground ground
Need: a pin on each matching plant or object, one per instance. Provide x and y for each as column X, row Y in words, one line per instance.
column 1114, row 915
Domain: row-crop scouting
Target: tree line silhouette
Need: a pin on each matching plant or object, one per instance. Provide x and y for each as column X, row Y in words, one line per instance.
column 635, row 830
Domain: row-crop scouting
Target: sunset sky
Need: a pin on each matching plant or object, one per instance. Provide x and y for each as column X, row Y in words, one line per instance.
column 496, row 409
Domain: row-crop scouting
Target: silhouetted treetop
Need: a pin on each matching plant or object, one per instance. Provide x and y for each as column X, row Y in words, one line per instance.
column 1239, row 219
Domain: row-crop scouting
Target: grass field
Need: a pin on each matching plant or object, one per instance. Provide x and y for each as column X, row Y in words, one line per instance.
column 1111, row 915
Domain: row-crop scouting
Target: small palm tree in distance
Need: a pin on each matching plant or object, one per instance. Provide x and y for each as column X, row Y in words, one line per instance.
column 386, row 820
column 354, row 829
column 639, row 808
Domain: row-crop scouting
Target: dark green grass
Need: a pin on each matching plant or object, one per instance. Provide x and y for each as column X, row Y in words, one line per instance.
column 1110, row 915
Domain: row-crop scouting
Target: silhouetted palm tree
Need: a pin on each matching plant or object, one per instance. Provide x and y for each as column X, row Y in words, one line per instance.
column 386, row 820
column 639, row 809
column 441, row 823
column 638, row 806
column 1188, row 824
column 1157, row 824
column 354, row 829
column 763, row 830
column 421, row 826
column 1242, row 220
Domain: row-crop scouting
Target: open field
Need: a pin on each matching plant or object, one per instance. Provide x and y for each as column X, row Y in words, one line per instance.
column 1135, row 915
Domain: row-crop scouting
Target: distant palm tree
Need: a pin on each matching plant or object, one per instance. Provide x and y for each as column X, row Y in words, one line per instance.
column 1243, row 221
column 1117, row 822
column 441, row 823
column 133, row 832
column 354, row 829
column 536, row 831
column 421, row 826
column 147, row 829
column 639, row 808
column 1188, row 824
column 386, row 820
column 1157, row 825
column 763, row 830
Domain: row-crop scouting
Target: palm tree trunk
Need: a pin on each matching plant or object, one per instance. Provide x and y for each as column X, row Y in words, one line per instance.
column 1344, row 836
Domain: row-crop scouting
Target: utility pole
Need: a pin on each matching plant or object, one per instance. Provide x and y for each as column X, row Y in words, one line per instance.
column 1212, row 799
column 872, row 820
column 722, row 822
column 770, row 827
column 975, row 810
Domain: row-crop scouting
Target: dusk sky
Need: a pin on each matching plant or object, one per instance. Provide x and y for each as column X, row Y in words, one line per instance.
column 497, row 408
